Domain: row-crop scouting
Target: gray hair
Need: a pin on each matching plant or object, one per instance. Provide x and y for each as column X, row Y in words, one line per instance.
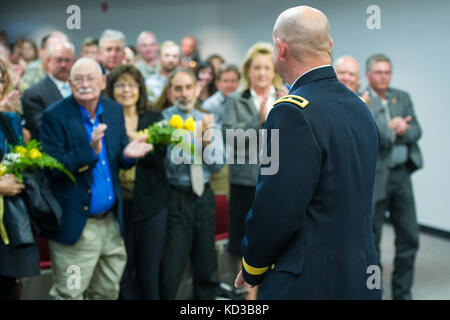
column 177, row 71
column 82, row 61
column 143, row 34
column 112, row 35
column 65, row 44
column 376, row 58
column 226, row 68
column 167, row 44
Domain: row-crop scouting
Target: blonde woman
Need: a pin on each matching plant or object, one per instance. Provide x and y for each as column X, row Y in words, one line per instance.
column 248, row 109
column 10, row 96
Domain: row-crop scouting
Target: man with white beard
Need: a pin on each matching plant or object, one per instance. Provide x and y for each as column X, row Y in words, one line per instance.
column 191, row 212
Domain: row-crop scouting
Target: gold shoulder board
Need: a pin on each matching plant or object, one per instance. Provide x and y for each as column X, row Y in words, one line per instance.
column 300, row 101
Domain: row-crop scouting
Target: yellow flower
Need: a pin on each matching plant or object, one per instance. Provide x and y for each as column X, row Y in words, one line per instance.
column 34, row 153
column 176, row 122
column 189, row 124
column 142, row 133
column 20, row 150
column 2, row 169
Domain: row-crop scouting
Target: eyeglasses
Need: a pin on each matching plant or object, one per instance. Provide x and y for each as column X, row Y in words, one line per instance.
column 61, row 60
column 121, row 86
column 80, row 80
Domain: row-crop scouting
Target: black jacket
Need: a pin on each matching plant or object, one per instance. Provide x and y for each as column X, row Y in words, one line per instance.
column 35, row 100
column 151, row 189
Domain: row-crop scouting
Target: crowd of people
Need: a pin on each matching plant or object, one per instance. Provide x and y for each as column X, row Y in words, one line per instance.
column 135, row 220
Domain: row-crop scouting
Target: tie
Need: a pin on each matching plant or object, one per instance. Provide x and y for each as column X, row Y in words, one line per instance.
column 197, row 179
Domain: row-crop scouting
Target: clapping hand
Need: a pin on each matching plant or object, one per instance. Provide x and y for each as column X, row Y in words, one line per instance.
column 282, row 92
column 263, row 111
column 366, row 97
column 400, row 125
column 97, row 135
column 11, row 101
column 137, row 148
column 207, row 123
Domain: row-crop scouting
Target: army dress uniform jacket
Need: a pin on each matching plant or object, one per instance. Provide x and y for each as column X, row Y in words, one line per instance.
column 309, row 232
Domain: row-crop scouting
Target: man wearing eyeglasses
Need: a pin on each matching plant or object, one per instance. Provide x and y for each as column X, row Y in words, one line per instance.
column 399, row 157
column 86, row 133
column 54, row 87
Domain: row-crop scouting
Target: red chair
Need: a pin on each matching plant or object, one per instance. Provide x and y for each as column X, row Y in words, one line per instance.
column 221, row 217
column 44, row 253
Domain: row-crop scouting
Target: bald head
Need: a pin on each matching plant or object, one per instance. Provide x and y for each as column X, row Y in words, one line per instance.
column 301, row 38
column 347, row 71
column 147, row 46
column 305, row 30
column 86, row 63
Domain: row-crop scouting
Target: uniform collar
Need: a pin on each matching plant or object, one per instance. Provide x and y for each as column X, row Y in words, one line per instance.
column 322, row 72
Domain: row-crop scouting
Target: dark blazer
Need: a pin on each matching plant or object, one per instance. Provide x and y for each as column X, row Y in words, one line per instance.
column 151, row 187
column 64, row 137
column 399, row 104
column 387, row 139
column 309, row 232
column 35, row 100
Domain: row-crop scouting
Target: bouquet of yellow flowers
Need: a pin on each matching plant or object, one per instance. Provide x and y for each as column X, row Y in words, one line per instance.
column 27, row 158
column 160, row 133
column 35, row 208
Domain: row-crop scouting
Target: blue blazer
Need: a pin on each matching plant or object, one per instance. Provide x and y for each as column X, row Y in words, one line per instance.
column 64, row 137
column 309, row 232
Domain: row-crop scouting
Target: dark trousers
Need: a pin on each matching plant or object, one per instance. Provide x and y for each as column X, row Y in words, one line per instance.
column 241, row 201
column 190, row 235
column 144, row 242
column 8, row 288
column 400, row 204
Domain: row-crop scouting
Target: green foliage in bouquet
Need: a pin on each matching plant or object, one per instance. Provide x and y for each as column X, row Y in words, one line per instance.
column 29, row 157
column 160, row 133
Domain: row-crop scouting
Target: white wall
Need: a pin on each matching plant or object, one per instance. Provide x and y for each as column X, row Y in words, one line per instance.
column 413, row 33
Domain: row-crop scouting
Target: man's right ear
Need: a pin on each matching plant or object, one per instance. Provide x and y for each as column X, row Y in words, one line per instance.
column 282, row 51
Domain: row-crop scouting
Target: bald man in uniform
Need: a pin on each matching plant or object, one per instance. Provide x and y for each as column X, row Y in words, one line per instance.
column 309, row 232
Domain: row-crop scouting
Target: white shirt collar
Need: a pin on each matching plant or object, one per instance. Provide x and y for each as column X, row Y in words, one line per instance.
column 63, row 87
column 57, row 82
column 271, row 92
column 326, row 65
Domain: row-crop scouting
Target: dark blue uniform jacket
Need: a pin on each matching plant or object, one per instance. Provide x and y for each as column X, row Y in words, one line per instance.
column 309, row 232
